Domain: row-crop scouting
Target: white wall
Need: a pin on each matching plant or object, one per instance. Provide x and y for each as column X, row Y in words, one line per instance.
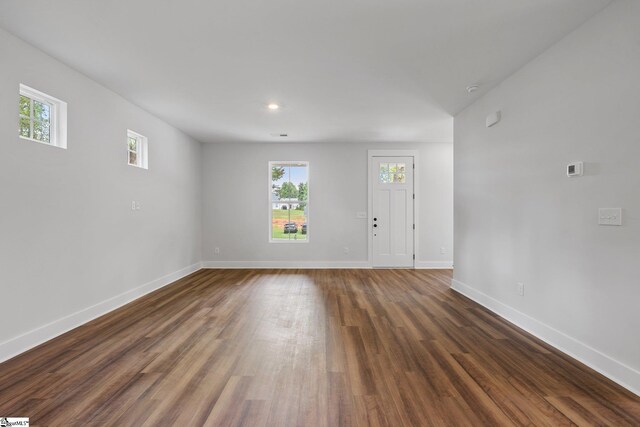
column 518, row 218
column 236, row 209
column 68, row 237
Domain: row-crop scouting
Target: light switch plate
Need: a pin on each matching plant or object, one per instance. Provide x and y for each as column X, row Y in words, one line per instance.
column 610, row 216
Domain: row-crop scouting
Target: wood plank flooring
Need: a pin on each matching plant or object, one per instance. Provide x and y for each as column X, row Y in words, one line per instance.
column 306, row 348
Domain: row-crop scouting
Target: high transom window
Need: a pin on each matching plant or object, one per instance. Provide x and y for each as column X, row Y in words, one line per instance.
column 137, row 150
column 42, row 118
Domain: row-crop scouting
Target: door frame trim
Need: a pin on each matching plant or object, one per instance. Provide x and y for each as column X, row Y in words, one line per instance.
column 392, row 153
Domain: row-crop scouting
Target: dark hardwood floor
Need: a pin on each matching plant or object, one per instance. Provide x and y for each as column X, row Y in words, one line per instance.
column 306, row 347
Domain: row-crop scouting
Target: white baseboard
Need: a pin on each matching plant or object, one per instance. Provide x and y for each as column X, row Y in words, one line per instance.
column 441, row 265
column 624, row 375
column 287, row 264
column 434, row 265
column 28, row 340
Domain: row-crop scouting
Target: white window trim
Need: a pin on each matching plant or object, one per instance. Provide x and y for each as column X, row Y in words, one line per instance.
column 57, row 118
column 142, row 149
column 270, row 205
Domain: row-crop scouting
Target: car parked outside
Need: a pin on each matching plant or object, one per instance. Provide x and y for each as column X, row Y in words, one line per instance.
column 290, row 228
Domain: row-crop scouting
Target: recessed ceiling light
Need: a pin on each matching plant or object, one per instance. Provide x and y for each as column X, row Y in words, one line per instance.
column 472, row 88
column 273, row 106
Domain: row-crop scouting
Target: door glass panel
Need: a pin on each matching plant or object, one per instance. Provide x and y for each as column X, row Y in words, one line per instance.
column 392, row 173
column 384, row 173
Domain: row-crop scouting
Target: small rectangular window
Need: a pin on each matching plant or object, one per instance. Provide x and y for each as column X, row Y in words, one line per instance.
column 137, row 150
column 392, row 173
column 288, row 201
column 42, row 118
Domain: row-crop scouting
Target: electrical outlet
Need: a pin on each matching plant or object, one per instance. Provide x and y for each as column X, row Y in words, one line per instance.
column 443, row 250
column 520, row 288
column 133, row 205
column 138, row 206
column 216, row 251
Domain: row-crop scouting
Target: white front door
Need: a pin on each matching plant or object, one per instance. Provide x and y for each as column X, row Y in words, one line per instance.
column 392, row 224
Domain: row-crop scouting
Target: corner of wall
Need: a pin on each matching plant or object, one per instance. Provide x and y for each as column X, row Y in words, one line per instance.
column 618, row 372
column 40, row 335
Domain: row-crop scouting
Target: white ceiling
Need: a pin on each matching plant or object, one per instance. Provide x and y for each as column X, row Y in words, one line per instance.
column 344, row 70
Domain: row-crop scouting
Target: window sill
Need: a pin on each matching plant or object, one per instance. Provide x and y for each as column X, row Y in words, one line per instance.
column 138, row 167
column 48, row 144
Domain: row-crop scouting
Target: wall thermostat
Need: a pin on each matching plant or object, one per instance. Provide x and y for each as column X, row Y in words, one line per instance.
column 574, row 169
